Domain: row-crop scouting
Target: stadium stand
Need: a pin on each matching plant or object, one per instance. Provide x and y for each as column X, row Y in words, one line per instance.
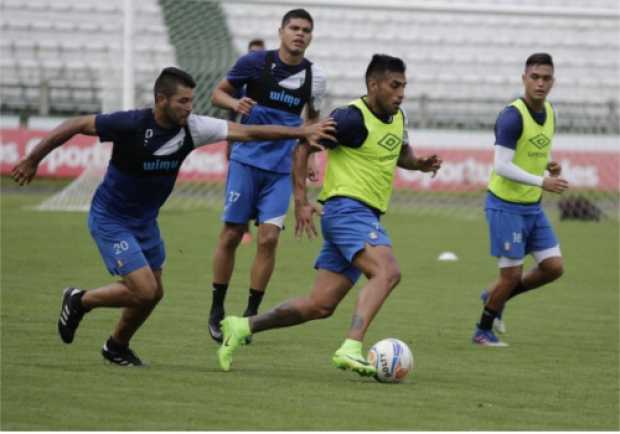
column 464, row 59
column 65, row 56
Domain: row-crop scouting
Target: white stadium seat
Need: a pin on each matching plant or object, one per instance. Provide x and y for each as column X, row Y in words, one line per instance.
column 453, row 49
column 73, row 43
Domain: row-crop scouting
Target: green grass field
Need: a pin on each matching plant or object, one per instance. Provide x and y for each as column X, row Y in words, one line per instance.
column 560, row 372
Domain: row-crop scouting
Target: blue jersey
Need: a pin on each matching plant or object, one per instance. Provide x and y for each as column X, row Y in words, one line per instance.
column 145, row 162
column 281, row 91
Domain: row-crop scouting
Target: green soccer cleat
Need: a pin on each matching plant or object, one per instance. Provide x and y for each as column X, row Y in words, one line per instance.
column 235, row 330
column 349, row 356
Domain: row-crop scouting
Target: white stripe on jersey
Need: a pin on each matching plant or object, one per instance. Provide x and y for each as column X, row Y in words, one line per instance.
column 172, row 145
column 319, row 84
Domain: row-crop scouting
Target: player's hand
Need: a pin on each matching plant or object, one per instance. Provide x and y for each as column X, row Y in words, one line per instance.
column 244, row 105
column 304, row 219
column 321, row 130
column 554, row 168
column 313, row 170
column 554, row 184
column 24, row 171
column 430, row 164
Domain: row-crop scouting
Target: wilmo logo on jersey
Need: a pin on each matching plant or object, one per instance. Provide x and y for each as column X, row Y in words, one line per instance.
column 152, row 165
column 540, row 141
column 290, row 100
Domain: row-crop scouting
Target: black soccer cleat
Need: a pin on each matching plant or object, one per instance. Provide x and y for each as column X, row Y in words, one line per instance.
column 70, row 317
column 215, row 330
column 124, row 357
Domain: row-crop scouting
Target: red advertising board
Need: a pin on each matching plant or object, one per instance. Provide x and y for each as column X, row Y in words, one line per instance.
column 463, row 169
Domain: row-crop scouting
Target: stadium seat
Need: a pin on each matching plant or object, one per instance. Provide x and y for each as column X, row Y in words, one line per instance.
column 470, row 50
column 71, row 43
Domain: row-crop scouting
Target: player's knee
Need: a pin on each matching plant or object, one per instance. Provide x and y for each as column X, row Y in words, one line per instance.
column 319, row 308
column 231, row 237
column 387, row 275
column 392, row 275
column 149, row 295
column 159, row 294
column 511, row 281
column 323, row 310
column 553, row 267
column 395, row 277
column 268, row 241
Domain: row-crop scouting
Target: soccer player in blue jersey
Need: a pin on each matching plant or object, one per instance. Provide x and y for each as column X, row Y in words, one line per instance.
column 517, row 222
column 149, row 146
column 371, row 141
column 254, row 45
column 279, row 85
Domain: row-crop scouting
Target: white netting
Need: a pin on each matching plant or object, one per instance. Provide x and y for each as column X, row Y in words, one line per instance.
column 77, row 195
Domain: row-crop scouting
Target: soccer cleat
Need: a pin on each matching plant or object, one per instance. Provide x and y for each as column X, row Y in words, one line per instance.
column 125, row 357
column 498, row 323
column 234, row 332
column 69, row 318
column 215, row 318
column 486, row 338
column 347, row 359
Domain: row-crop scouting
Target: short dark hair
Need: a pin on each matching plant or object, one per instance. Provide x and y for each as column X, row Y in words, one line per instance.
column 297, row 13
column 539, row 59
column 382, row 63
column 256, row 42
column 169, row 79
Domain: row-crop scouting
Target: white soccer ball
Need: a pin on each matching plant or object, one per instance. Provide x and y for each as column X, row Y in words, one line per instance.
column 393, row 360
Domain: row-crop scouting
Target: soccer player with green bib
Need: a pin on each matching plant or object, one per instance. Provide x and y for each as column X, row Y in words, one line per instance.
column 517, row 223
column 371, row 141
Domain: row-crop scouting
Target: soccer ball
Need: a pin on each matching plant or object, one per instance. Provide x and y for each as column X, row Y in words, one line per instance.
column 393, row 360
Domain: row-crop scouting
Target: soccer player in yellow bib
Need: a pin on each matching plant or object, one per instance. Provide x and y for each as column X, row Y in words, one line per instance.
column 372, row 140
column 517, row 223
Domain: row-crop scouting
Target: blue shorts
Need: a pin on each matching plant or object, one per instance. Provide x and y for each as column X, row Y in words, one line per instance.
column 516, row 235
column 347, row 226
column 256, row 194
column 126, row 248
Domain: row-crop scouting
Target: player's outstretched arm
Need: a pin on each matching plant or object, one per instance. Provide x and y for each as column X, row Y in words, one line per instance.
column 407, row 160
column 26, row 168
column 312, row 133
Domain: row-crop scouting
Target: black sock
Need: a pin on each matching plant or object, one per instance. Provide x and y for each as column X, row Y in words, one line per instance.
column 76, row 302
column 520, row 289
column 486, row 320
column 219, row 294
column 254, row 300
column 114, row 345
